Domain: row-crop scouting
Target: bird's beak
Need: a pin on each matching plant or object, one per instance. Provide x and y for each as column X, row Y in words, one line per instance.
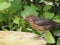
column 25, row 18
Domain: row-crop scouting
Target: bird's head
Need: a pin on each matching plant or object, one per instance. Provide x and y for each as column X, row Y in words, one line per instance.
column 29, row 17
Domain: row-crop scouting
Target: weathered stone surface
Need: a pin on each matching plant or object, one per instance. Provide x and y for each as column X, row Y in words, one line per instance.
column 20, row 38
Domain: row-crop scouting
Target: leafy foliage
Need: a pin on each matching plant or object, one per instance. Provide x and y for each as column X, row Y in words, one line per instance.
column 47, row 7
column 12, row 13
column 48, row 36
column 4, row 5
column 48, row 15
column 58, row 42
column 29, row 10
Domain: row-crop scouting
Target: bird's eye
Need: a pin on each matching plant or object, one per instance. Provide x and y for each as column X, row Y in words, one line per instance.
column 29, row 17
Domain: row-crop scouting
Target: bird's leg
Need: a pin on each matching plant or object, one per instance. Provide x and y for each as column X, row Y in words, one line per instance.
column 40, row 36
column 41, row 33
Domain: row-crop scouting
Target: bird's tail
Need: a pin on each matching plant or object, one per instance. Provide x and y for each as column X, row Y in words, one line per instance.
column 58, row 24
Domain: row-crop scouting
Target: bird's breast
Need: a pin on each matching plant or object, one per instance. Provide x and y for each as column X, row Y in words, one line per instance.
column 36, row 27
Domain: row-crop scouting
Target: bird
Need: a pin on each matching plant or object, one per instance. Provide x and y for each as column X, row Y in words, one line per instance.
column 42, row 24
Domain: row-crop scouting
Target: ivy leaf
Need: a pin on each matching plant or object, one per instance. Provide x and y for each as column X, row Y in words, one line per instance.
column 10, row 0
column 4, row 5
column 56, row 17
column 16, row 20
column 3, row 17
column 16, row 5
column 58, row 41
column 48, row 36
column 47, row 7
column 2, row 1
column 56, row 1
column 29, row 10
column 56, row 20
column 48, row 15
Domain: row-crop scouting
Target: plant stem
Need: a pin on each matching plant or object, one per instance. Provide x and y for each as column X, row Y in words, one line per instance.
column 55, row 7
column 9, row 21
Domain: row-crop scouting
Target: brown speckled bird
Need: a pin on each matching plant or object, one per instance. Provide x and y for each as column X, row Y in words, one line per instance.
column 42, row 24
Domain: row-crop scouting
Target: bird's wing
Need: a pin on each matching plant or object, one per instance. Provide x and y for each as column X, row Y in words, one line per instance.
column 43, row 21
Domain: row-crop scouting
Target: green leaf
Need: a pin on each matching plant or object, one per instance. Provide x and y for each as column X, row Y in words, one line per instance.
column 3, row 17
column 10, row 0
column 58, row 42
column 4, row 5
column 48, row 36
column 16, row 20
column 48, row 15
column 29, row 10
column 56, row 17
column 16, row 5
column 56, row 20
column 47, row 7
column 2, row 1
column 56, row 1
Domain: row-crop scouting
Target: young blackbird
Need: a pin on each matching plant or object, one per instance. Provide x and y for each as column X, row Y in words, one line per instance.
column 42, row 24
